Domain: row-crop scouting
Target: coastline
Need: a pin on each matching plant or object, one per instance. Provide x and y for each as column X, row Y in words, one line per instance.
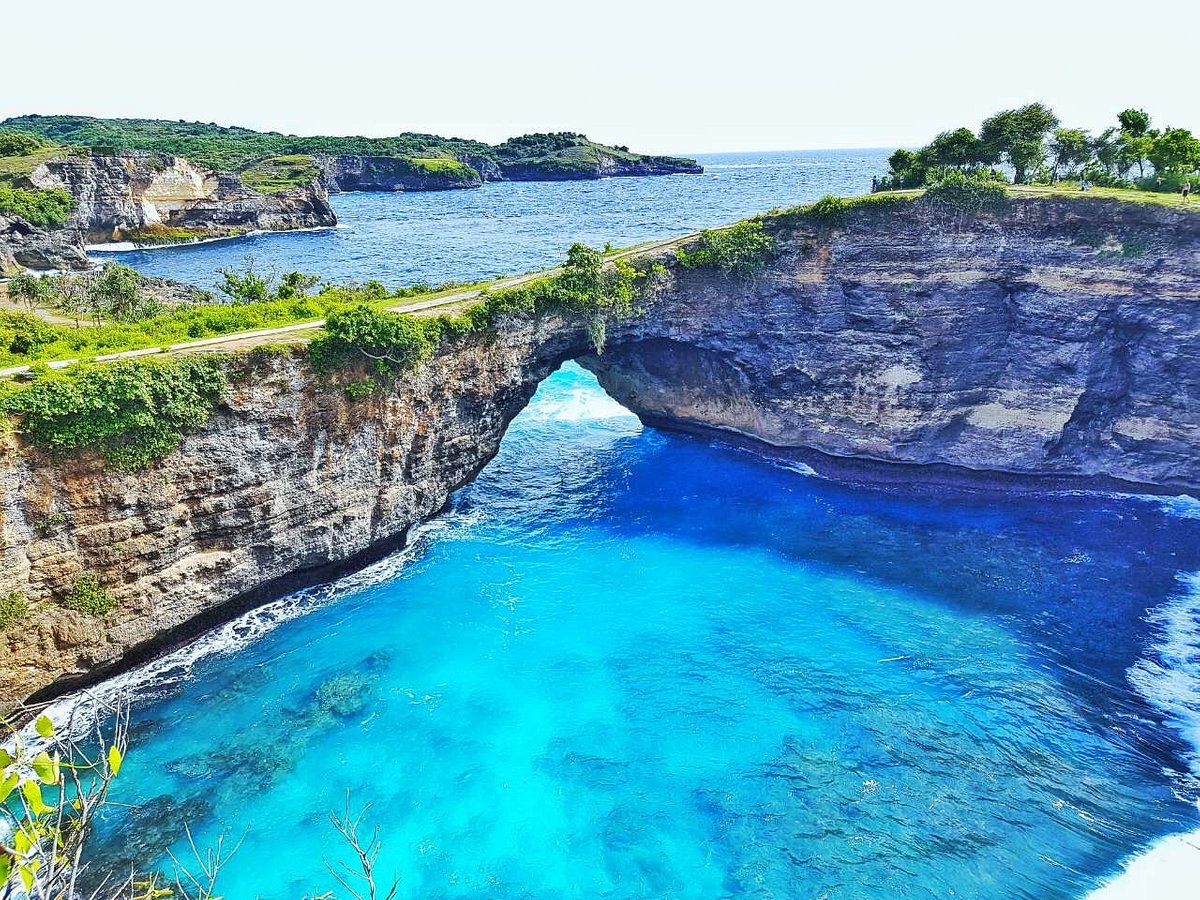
column 130, row 246
column 1163, row 872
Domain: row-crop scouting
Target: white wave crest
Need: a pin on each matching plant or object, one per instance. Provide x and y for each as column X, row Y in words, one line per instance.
column 77, row 714
column 1168, row 677
column 1184, row 506
column 580, row 405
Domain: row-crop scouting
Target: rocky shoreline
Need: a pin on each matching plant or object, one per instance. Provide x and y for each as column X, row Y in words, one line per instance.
column 1056, row 339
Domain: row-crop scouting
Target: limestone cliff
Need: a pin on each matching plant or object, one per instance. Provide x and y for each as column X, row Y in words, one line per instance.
column 1059, row 337
column 391, row 173
column 1056, row 337
column 597, row 164
column 26, row 246
column 123, row 195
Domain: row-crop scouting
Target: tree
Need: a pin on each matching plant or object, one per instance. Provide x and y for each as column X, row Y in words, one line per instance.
column 906, row 168
column 1106, row 150
column 1137, row 139
column 959, row 149
column 20, row 143
column 1018, row 136
column 1070, row 149
column 1134, row 122
column 247, row 286
column 116, row 294
column 1176, row 152
column 296, row 285
column 31, row 289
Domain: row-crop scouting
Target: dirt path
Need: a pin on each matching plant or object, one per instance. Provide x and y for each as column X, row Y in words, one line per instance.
column 303, row 331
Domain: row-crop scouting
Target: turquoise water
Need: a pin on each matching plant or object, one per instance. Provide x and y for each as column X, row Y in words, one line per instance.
column 508, row 228
column 634, row 664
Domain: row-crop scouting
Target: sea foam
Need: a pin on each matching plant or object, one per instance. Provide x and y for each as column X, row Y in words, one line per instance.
column 1168, row 677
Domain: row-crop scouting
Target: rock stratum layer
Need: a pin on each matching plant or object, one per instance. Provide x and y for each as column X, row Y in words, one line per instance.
column 151, row 198
column 1057, row 337
column 391, row 173
column 124, row 195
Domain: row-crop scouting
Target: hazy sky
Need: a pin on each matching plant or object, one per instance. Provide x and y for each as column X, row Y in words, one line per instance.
column 660, row 76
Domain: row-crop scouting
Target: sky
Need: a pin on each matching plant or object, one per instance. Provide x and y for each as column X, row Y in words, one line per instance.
column 658, row 75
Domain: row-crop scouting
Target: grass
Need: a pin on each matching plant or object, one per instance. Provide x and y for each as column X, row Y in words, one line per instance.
column 1128, row 195
column 21, row 166
column 190, row 323
column 451, row 168
column 278, row 174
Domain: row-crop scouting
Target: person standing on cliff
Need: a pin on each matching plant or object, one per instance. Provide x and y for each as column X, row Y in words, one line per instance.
column 1187, row 189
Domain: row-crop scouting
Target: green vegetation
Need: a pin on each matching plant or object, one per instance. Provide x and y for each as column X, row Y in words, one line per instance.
column 45, row 209
column 233, row 149
column 964, row 193
column 446, row 168
column 50, row 523
column 21, row 143
column 277, row 174
column 165, row 234
column 132, row 412
column 20, row 154
column 1033, row 145
column 89, row 596
column 134, row 319
column 14, row 608
column 392, row 343
column 740, row 250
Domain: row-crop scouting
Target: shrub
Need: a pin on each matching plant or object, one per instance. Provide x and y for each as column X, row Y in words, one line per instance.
column 742, row 249
column 829, row 210
column 393, row 341
column 360, row 390
column 13, row 610
column 89, row 596
column 133, row 412
column 21, row 143
column 45, row 209
column 23, row 334
column 966, row 194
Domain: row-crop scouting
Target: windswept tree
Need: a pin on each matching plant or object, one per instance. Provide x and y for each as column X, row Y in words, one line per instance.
column 1070, row 151
column 1137, row 139
column 1018, row 136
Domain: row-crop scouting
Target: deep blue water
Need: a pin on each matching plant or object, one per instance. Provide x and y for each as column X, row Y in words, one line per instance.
column 633, row 664
column 509, row 228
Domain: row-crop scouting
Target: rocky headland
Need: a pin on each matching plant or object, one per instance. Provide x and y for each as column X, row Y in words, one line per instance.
column 132, row 195
column 1050, row 338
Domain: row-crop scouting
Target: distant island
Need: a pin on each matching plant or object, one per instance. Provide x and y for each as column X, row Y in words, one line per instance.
column 66, row 181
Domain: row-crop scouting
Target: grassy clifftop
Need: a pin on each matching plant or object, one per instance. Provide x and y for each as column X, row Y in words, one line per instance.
column 564, row 154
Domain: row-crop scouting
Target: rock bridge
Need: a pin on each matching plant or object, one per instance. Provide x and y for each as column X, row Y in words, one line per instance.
column 1058, row 338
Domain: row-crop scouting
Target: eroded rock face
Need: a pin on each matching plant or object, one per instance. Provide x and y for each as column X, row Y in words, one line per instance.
column 388, row 173
column 605, row 166
column 123, row 194
column 26, row 246
column 291, row 476
column 1061, row 337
